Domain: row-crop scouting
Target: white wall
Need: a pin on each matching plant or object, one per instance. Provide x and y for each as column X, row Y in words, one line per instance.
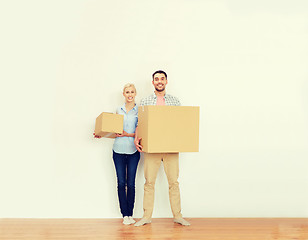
column 243, row 62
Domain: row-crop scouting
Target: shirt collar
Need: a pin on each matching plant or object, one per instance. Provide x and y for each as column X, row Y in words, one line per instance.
column 124, row 108
column 155, row 97
column 135, row 108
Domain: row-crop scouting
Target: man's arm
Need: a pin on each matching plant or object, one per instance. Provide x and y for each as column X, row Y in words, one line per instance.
column 177, row 102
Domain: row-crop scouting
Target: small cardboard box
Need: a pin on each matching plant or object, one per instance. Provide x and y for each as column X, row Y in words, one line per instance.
column 108, row 124
column 168, row 128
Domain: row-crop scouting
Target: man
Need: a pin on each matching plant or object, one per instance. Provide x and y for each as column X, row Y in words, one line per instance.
column 152, row 161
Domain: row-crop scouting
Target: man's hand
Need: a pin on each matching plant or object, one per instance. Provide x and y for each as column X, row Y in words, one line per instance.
column 95, row 136
column 137, row 144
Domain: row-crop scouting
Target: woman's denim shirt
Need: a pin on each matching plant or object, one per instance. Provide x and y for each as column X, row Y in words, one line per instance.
column 126, row 144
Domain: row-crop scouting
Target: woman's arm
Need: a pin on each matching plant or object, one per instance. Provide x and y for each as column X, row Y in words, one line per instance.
column 125, row 134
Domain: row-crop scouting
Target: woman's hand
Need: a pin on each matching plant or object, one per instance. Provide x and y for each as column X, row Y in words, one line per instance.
column 95, row 136
column 124, row 134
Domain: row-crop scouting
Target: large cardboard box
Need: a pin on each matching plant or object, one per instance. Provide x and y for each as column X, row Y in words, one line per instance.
column 108, row 124
column 168, row 128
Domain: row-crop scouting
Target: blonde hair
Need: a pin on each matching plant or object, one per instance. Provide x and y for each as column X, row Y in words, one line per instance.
column 129, row 85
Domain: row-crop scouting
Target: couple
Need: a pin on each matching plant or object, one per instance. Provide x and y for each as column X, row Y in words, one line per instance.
column 126, row 155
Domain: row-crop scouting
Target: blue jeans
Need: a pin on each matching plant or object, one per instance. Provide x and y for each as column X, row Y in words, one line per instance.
column 126, row 167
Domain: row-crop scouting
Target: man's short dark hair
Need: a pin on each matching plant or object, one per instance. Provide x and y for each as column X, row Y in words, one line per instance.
column 159, row 71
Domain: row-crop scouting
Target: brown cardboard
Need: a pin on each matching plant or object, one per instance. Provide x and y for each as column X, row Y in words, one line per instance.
column 168, row 128
column 108, row 124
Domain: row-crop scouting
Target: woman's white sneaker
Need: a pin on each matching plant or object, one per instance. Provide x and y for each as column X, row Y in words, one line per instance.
column 126, row 221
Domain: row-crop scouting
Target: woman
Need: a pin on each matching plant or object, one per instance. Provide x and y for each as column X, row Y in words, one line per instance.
column 125, row 155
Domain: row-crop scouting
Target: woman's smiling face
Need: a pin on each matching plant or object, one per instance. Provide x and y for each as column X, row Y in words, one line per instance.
column 129, row 94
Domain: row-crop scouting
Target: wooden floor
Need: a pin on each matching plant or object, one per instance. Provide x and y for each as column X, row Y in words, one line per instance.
column 160, row 228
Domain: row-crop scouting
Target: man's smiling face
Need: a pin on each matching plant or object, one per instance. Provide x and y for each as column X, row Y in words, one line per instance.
column 159, row 82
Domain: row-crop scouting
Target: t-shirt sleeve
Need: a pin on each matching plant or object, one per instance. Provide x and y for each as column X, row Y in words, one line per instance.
column 178, row 103
column 142, row 102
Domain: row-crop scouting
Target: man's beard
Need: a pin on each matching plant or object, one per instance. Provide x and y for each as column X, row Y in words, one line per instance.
column 160, row 90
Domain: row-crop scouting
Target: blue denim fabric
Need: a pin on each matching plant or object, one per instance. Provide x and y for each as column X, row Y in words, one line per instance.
column 126, row 144
column 126, row 167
